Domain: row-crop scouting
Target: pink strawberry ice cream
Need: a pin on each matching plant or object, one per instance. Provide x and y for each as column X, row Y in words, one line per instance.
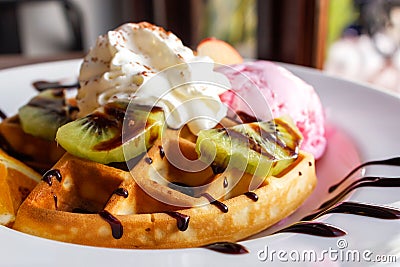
column 285, row 94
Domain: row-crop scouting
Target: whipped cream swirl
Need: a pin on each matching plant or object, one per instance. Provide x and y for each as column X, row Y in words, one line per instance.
column 145, row 64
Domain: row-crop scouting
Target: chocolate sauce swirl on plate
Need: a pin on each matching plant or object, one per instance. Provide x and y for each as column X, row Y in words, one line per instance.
column 121, row 192
column 313, row 228
column 227, row 248
column 116, row 226
column 45, row 85
column 390, row 162
column 356, row 208
column 55, row 201
column 369, row 181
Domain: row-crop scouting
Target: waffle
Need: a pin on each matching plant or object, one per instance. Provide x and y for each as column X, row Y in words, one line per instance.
column 38, row 153
column 16, row 181
column 83, row 202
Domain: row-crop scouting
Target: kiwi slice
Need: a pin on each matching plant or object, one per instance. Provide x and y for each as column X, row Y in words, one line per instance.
column 45, row 113
column 98, row 136
column 259, row 148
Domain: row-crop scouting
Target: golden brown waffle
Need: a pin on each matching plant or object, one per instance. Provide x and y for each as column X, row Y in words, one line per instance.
column 87, row 203
column 37, row 153
column 16, row 182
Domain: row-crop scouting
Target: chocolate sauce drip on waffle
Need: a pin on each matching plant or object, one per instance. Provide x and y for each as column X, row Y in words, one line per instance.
column 162, row 152
column 313, row 228
column 250, row 142
column 246, row 118
column 45, row 85
column 221, row 206
column 116, row 226
column 325, row 230
column 253, row 196
column 183, row 188
column 113, row 117
column 182, row 220
column 47, row 177
column 225, row 183
column 148, row 160
column 217, row 169
column 3, row 116
column 55, row 201
column 227, row 248
column 121, row 192
column 391, row 162
column 361, row 209
column 331, row 206
column 369, row 181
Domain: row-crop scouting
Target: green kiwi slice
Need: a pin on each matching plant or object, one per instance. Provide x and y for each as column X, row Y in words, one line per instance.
column 259, row 148
column 98, row 136
column 45, row 113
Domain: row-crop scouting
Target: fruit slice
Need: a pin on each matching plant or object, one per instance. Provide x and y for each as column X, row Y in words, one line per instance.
column 45, row 113
column 260, row 148
column 16, row 182
column 219, row 51
column 6, row 205
column 98, row 136
column 36, row 152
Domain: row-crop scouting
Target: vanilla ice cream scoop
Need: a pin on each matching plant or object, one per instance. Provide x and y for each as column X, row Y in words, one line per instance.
column 146, row 64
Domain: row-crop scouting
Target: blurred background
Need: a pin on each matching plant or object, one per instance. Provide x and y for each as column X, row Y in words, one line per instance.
column 354, row 39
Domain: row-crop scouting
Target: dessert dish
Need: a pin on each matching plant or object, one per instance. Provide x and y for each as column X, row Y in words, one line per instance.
column 147, row 166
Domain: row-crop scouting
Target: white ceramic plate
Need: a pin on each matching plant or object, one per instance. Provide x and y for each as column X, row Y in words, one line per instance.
column 363, row 124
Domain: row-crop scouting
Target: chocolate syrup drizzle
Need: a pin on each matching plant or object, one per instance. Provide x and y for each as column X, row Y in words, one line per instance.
column 390, row 162
column 221, row 206
column 182, row 220
column 362, row 182
column 217, row 169
column 116, row 226
column 183, row 188
column 148, row 160
column 121, row 192
column 332, row 206
column 227, row 248
column 225, row 182
column 3, row 116
column 47, row 177
column 303, row 227
column 253, row 196
column 356, row 208
column 45, row 85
